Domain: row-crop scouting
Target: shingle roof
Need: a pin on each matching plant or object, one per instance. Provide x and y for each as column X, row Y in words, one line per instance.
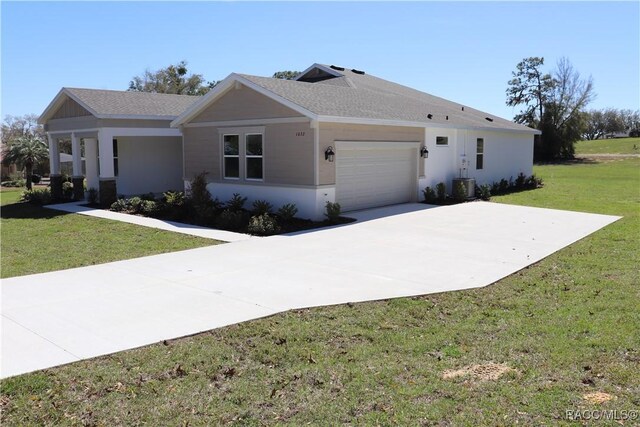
column 364, row 96
column 125, row 103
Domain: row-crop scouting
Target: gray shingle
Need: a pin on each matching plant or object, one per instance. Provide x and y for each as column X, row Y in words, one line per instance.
column 367, row 97
column 124, row 103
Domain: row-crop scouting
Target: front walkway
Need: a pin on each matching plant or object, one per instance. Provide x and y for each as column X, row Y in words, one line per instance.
column 64, row 316
column 177, row 227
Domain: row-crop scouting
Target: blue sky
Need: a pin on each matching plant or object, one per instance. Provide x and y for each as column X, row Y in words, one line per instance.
column 462, row 51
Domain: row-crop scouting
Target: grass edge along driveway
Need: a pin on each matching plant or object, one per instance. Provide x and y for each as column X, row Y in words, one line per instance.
column 37, row 240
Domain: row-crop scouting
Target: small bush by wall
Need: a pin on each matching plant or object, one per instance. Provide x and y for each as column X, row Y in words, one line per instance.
column 263, row 225
column 40, row 196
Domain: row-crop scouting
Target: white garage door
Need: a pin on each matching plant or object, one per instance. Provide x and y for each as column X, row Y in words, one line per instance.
column 367, row 178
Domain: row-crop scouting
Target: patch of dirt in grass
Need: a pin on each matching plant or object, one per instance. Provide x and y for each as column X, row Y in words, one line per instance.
column 484, row 372
column 597, row 397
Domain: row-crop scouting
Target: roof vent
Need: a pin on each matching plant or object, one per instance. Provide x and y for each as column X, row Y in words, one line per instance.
column 489, row 119
column 447, row 117
column 429, row 116
column 357, row 71
column 335, row 67
column 462, row 108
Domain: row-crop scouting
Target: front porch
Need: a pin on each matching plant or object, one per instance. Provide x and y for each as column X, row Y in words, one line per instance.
column 125, row 138
column 118, row 161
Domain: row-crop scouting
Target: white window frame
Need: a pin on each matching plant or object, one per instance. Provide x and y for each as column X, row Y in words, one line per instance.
column 242, row 132
column 116, row 162
column 225, row 156
column 479, row 153
column 246, row 156
column 442, row 145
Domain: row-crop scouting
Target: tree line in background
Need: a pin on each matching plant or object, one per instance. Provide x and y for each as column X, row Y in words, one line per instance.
column 612, row 122
column 555, row 103
column 175, row 79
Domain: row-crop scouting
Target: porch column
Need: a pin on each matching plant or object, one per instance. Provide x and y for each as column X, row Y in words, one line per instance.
column 54, row 164
column 77, row 179
column 108, row 191
column 91, row 162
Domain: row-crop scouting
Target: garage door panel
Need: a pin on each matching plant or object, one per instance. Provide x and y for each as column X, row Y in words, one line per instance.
column 375, row 177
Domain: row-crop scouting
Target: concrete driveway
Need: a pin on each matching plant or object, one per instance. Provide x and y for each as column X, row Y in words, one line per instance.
column 60, row 317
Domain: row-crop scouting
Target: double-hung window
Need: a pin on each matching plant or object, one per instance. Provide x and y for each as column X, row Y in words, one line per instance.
column 243, row 153
column 253, row 156
column 479, row 153
column 231, row 156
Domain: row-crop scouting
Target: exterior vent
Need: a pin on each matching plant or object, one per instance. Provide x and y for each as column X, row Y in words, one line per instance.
column 357, row 71
column 462, row 108
column 489, row 119
column 429, row 116
column 447, row 117
column 335, row 67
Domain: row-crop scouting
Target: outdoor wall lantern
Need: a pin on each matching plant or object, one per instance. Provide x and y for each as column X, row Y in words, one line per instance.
column 424, row 153
column 329, row 154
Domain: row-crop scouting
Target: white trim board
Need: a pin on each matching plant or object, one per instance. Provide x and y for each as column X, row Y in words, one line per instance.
column 372, row 145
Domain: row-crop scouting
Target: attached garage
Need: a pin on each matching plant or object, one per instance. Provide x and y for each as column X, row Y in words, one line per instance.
column 370, row 174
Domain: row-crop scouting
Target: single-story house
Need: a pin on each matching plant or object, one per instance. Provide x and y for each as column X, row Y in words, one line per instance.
column 332, row 134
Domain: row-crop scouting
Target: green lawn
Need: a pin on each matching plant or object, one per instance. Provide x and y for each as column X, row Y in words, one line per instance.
column 36, row 240
column 609, row 146
column 567, row 326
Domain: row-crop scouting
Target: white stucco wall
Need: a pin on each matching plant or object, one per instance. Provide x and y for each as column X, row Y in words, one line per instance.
column 440, row 166
column 506, row 154
column 309, row 201
column 149, row 164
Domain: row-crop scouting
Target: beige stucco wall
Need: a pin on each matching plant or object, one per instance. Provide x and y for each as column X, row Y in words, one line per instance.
column 71, row 123
column 70, row 108
column 90, row 122
column 201, row 149
column 244, row 103
column 134, row 123
column 331, row 132
column 140, row 172
column 288, row 153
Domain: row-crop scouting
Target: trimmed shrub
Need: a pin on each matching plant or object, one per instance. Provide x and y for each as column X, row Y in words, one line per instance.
column 174, row 198
column 135, row 205
column 521, row 179
column 198, row 193
column 67, row 190
column 261, row 207
column 119, row 205
column 40, row 196
column 534, row 182
column 92, row 196
column 483, row 192
column 236, row 203
column 148, row 196
column 287, row 212
column 441, row 190
column 429, row 194
column 332, row 211
column 231, row 220
column 459, row 192
column 503, row 186
column 263, row 225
